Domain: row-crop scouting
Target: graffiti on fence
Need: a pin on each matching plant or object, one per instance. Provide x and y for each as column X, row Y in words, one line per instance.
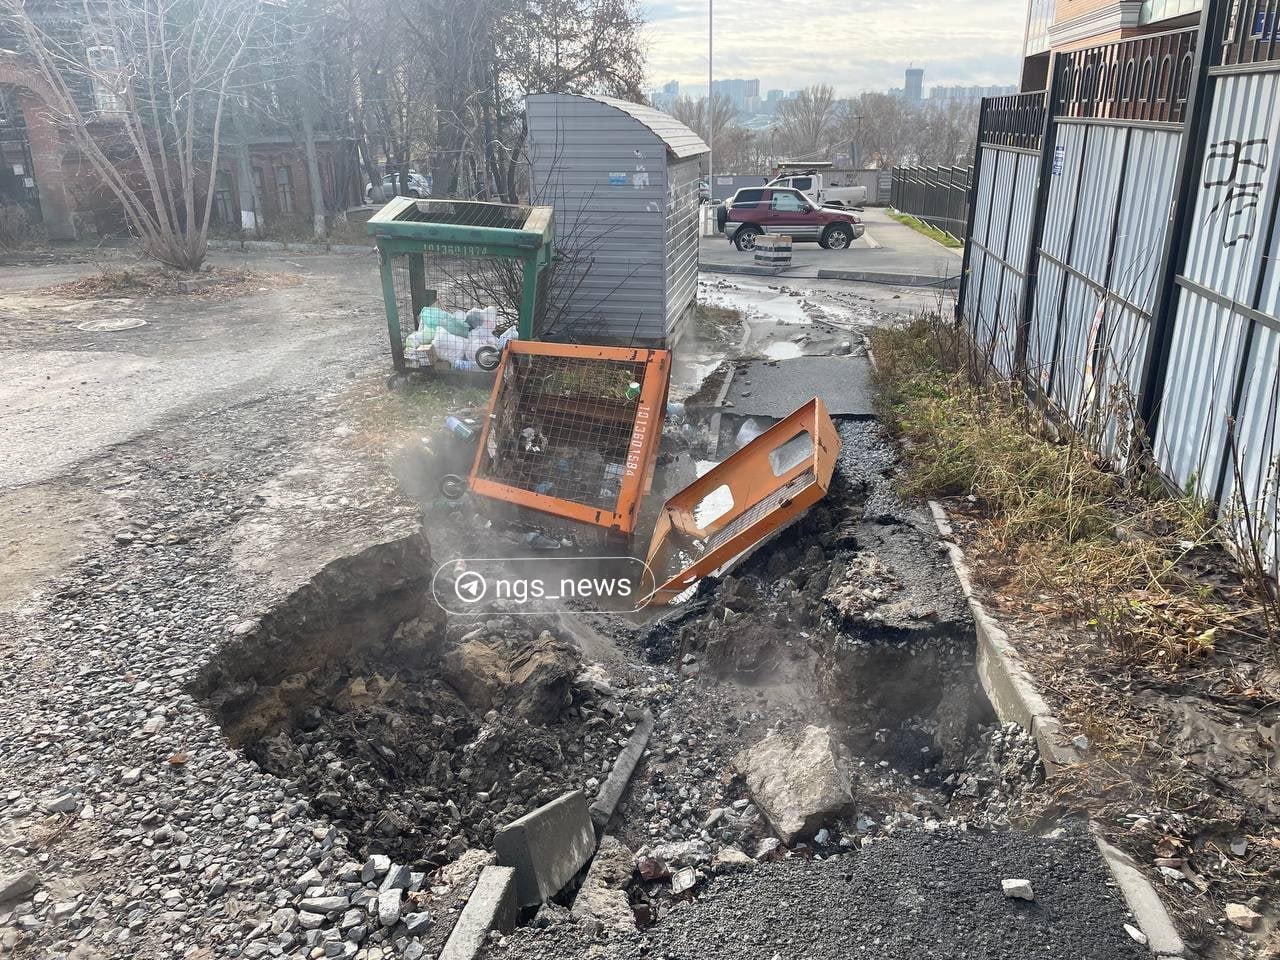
column 1239, row 166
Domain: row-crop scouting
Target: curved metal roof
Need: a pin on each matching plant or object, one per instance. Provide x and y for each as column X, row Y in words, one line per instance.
column 680, row 140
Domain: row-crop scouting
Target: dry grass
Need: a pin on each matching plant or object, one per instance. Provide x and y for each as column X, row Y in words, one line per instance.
column 1108, row 549
column 150, row 281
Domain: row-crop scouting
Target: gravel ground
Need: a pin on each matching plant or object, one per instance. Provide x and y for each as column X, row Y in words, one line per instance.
column 908, row 896
column 145, row 834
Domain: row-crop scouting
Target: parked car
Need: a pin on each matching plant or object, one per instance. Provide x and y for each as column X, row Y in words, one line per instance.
column 756, row 210
column 704, row 190
column 419, row 186
column 821, row 190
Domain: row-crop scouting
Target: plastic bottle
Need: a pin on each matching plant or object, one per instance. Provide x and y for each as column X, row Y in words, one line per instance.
column 458, row 428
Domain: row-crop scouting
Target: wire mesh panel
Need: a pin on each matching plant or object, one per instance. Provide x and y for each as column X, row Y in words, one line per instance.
column 573, row 431
column 456, row 312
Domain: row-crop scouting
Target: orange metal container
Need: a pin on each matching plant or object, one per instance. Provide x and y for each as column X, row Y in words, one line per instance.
column 567, row 435
column 737, row 504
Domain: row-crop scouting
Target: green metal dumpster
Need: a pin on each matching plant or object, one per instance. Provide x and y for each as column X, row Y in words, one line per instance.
column 460, row 277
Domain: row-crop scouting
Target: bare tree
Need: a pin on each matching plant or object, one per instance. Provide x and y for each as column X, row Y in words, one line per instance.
column 808, row 120
column 142, row 89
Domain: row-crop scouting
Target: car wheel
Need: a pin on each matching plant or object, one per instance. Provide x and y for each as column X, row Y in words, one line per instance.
column 745, row 238
column 838, row 236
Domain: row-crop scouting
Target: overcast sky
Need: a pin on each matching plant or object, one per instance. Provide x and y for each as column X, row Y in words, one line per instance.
column 854, row 45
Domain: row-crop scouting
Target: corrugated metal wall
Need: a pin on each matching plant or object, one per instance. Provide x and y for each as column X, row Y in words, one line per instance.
column 1224, row 366
column 1096, row 342
column 682, row 242
column 1001, row 238
column 606, row 175
column 1106, row 216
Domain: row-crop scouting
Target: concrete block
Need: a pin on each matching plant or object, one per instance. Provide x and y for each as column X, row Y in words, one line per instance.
column 620, row 776
column 547, row 847
column 264, row 246
column 1055, row 751
column 491, row 906
column 1143, row 900
column 1005, row 680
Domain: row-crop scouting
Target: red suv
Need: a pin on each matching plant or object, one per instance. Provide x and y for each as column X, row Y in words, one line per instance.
column 753, row 211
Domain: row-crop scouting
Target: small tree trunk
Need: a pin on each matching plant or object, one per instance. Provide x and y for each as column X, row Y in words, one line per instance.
column 313, row 169
column 250, row 222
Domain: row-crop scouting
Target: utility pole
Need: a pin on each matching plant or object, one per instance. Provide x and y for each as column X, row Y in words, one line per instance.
column 711, row 133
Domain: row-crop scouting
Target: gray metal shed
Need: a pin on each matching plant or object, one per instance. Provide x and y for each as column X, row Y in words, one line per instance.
column 623, row 179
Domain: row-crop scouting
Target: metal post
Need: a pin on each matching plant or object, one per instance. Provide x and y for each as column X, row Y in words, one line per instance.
column 1195, row 131
column 418, row 297
column 975, row 175
column 1048, row 136
column 528, row 297
column 711, row 98
column 393, row 314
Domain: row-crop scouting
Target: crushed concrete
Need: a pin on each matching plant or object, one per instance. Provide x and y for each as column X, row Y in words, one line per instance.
column 798, row 781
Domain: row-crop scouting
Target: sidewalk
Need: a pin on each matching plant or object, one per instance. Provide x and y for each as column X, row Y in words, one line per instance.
column 888, row 253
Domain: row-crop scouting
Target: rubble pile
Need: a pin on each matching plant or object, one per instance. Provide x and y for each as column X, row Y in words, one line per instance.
column 425, row 761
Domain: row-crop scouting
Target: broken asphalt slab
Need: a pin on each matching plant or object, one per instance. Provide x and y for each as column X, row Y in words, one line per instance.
column 774, row 388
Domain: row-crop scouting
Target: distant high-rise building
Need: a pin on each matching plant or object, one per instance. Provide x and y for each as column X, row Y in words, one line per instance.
column 914, row 89
column 671, row 89
column 970, row 94
column 773, row 96
column 737, row 92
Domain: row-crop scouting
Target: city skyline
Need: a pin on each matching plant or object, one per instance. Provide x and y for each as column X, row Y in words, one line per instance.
column 749, row 95
column 979, row 44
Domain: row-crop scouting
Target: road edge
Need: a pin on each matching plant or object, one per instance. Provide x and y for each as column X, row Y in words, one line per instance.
column 1013, row 695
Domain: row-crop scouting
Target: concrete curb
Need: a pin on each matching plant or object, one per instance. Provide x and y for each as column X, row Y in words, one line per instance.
column 620, row 776
column 745, row 269
column 1014, row 697
column 893, row 279
column 1144, row 902
column 1006, row 681
column 491, row 906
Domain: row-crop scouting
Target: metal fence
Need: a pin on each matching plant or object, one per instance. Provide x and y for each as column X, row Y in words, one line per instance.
column 1123, row 259
column 938, row 196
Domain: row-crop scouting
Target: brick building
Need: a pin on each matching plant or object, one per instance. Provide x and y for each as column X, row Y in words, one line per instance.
column 1054, row 25
column 42, row 171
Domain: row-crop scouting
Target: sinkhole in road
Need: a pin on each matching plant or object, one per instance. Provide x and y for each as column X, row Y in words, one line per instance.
column 420, row 735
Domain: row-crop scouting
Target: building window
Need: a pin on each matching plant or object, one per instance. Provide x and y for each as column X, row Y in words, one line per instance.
column 284, row 189
column 222, row 205
column 105, row 76
column 259, row 191
column 1040, row 18
column 1153, row 11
